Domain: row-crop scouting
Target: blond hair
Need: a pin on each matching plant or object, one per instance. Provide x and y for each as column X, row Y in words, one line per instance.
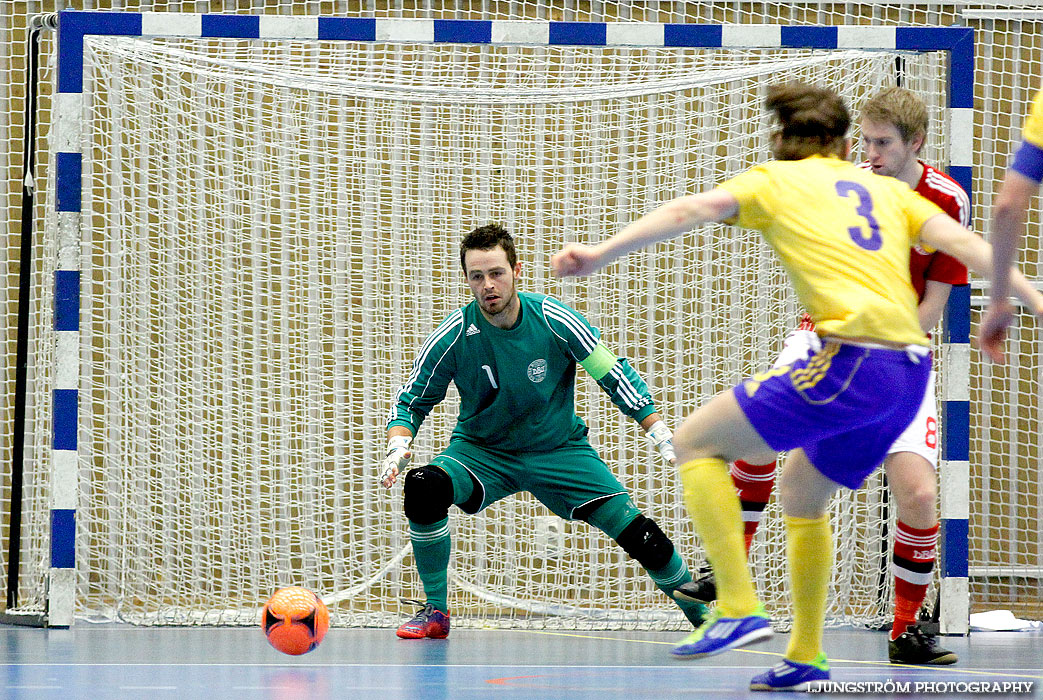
column 901, row 108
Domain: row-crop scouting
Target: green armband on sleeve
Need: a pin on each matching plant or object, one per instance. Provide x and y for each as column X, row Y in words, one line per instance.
column 599, row 362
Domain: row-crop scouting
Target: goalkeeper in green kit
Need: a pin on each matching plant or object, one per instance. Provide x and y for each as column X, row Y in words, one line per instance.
column 513, row 356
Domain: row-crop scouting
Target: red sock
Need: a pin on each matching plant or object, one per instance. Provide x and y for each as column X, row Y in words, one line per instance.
column 754, row 483
column 912, row 564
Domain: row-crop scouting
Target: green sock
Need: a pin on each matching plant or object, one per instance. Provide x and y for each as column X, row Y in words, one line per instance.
column 667, row 579
column 431, row 546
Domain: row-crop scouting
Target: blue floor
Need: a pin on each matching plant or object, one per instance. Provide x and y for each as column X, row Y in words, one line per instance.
column 117, row 661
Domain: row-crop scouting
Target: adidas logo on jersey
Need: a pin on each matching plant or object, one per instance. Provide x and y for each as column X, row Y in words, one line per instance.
column 472, row 330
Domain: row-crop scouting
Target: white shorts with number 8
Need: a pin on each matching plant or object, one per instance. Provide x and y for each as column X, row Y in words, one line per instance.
column 921, row 437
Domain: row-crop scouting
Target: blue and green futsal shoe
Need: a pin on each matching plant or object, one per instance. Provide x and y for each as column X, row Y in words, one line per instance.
column 719, row 634
column 790, row 675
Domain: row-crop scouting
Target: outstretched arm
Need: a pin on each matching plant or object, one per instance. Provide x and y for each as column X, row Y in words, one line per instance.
column 425, row 388
column 630, row 393
column 945, row 234
column 613, row 374
column 669, row 220
column 623, row 384
column 1008, row 220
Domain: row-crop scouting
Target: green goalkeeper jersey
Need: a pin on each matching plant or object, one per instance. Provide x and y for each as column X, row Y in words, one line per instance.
column 516, row 386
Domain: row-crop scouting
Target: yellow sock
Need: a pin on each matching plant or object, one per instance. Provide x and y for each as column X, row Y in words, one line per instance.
column 714, row 508
column 809, row 550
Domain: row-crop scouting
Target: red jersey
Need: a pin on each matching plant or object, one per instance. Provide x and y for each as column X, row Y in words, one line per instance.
column 941, row 189
column 937, row 187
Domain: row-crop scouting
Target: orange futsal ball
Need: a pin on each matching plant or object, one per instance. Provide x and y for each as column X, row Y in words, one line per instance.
column 295, row 620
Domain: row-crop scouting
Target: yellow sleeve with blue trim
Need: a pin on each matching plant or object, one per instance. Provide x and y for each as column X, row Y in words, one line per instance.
column 613, row 374
column 1028, row 160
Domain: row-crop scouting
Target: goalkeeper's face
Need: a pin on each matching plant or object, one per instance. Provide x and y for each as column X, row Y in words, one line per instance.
column 491, row 279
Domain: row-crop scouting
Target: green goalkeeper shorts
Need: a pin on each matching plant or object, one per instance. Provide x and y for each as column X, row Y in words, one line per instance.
column 563, row 479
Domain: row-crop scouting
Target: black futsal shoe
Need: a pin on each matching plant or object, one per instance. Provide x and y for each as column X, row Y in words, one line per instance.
column 915, row 647
column 701, row 590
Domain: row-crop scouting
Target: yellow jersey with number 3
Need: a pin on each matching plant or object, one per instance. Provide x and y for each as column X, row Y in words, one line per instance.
column 843, row 234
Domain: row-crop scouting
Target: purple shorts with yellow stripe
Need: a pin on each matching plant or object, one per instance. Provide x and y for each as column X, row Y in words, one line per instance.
column 843, row 405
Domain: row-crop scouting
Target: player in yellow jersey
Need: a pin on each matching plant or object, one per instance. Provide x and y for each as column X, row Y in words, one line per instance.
column 894, row 126
column 843, row 235
column 1020, row 183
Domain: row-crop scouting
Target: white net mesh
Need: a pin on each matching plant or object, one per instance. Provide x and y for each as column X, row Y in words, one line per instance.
column 274, row 235
column 1005, row 557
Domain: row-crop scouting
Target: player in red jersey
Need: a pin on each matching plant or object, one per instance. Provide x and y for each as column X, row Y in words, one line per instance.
column 894, row 128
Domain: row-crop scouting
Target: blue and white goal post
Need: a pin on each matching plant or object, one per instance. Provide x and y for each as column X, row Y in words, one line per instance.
column 71, row 172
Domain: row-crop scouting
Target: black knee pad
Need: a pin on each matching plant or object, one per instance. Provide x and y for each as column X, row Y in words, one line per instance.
column 644, row 541
column 428, row 494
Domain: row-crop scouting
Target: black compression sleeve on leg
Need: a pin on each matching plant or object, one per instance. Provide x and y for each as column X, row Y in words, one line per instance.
column 644, row 541
column 428, row 494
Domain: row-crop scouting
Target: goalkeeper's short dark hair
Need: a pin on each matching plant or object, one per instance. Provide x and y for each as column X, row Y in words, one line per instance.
column 486, row 238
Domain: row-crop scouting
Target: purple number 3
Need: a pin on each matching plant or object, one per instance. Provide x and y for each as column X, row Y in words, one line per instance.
column 865, row 209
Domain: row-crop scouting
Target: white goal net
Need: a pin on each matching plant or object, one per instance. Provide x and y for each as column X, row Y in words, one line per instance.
column 274, row 231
